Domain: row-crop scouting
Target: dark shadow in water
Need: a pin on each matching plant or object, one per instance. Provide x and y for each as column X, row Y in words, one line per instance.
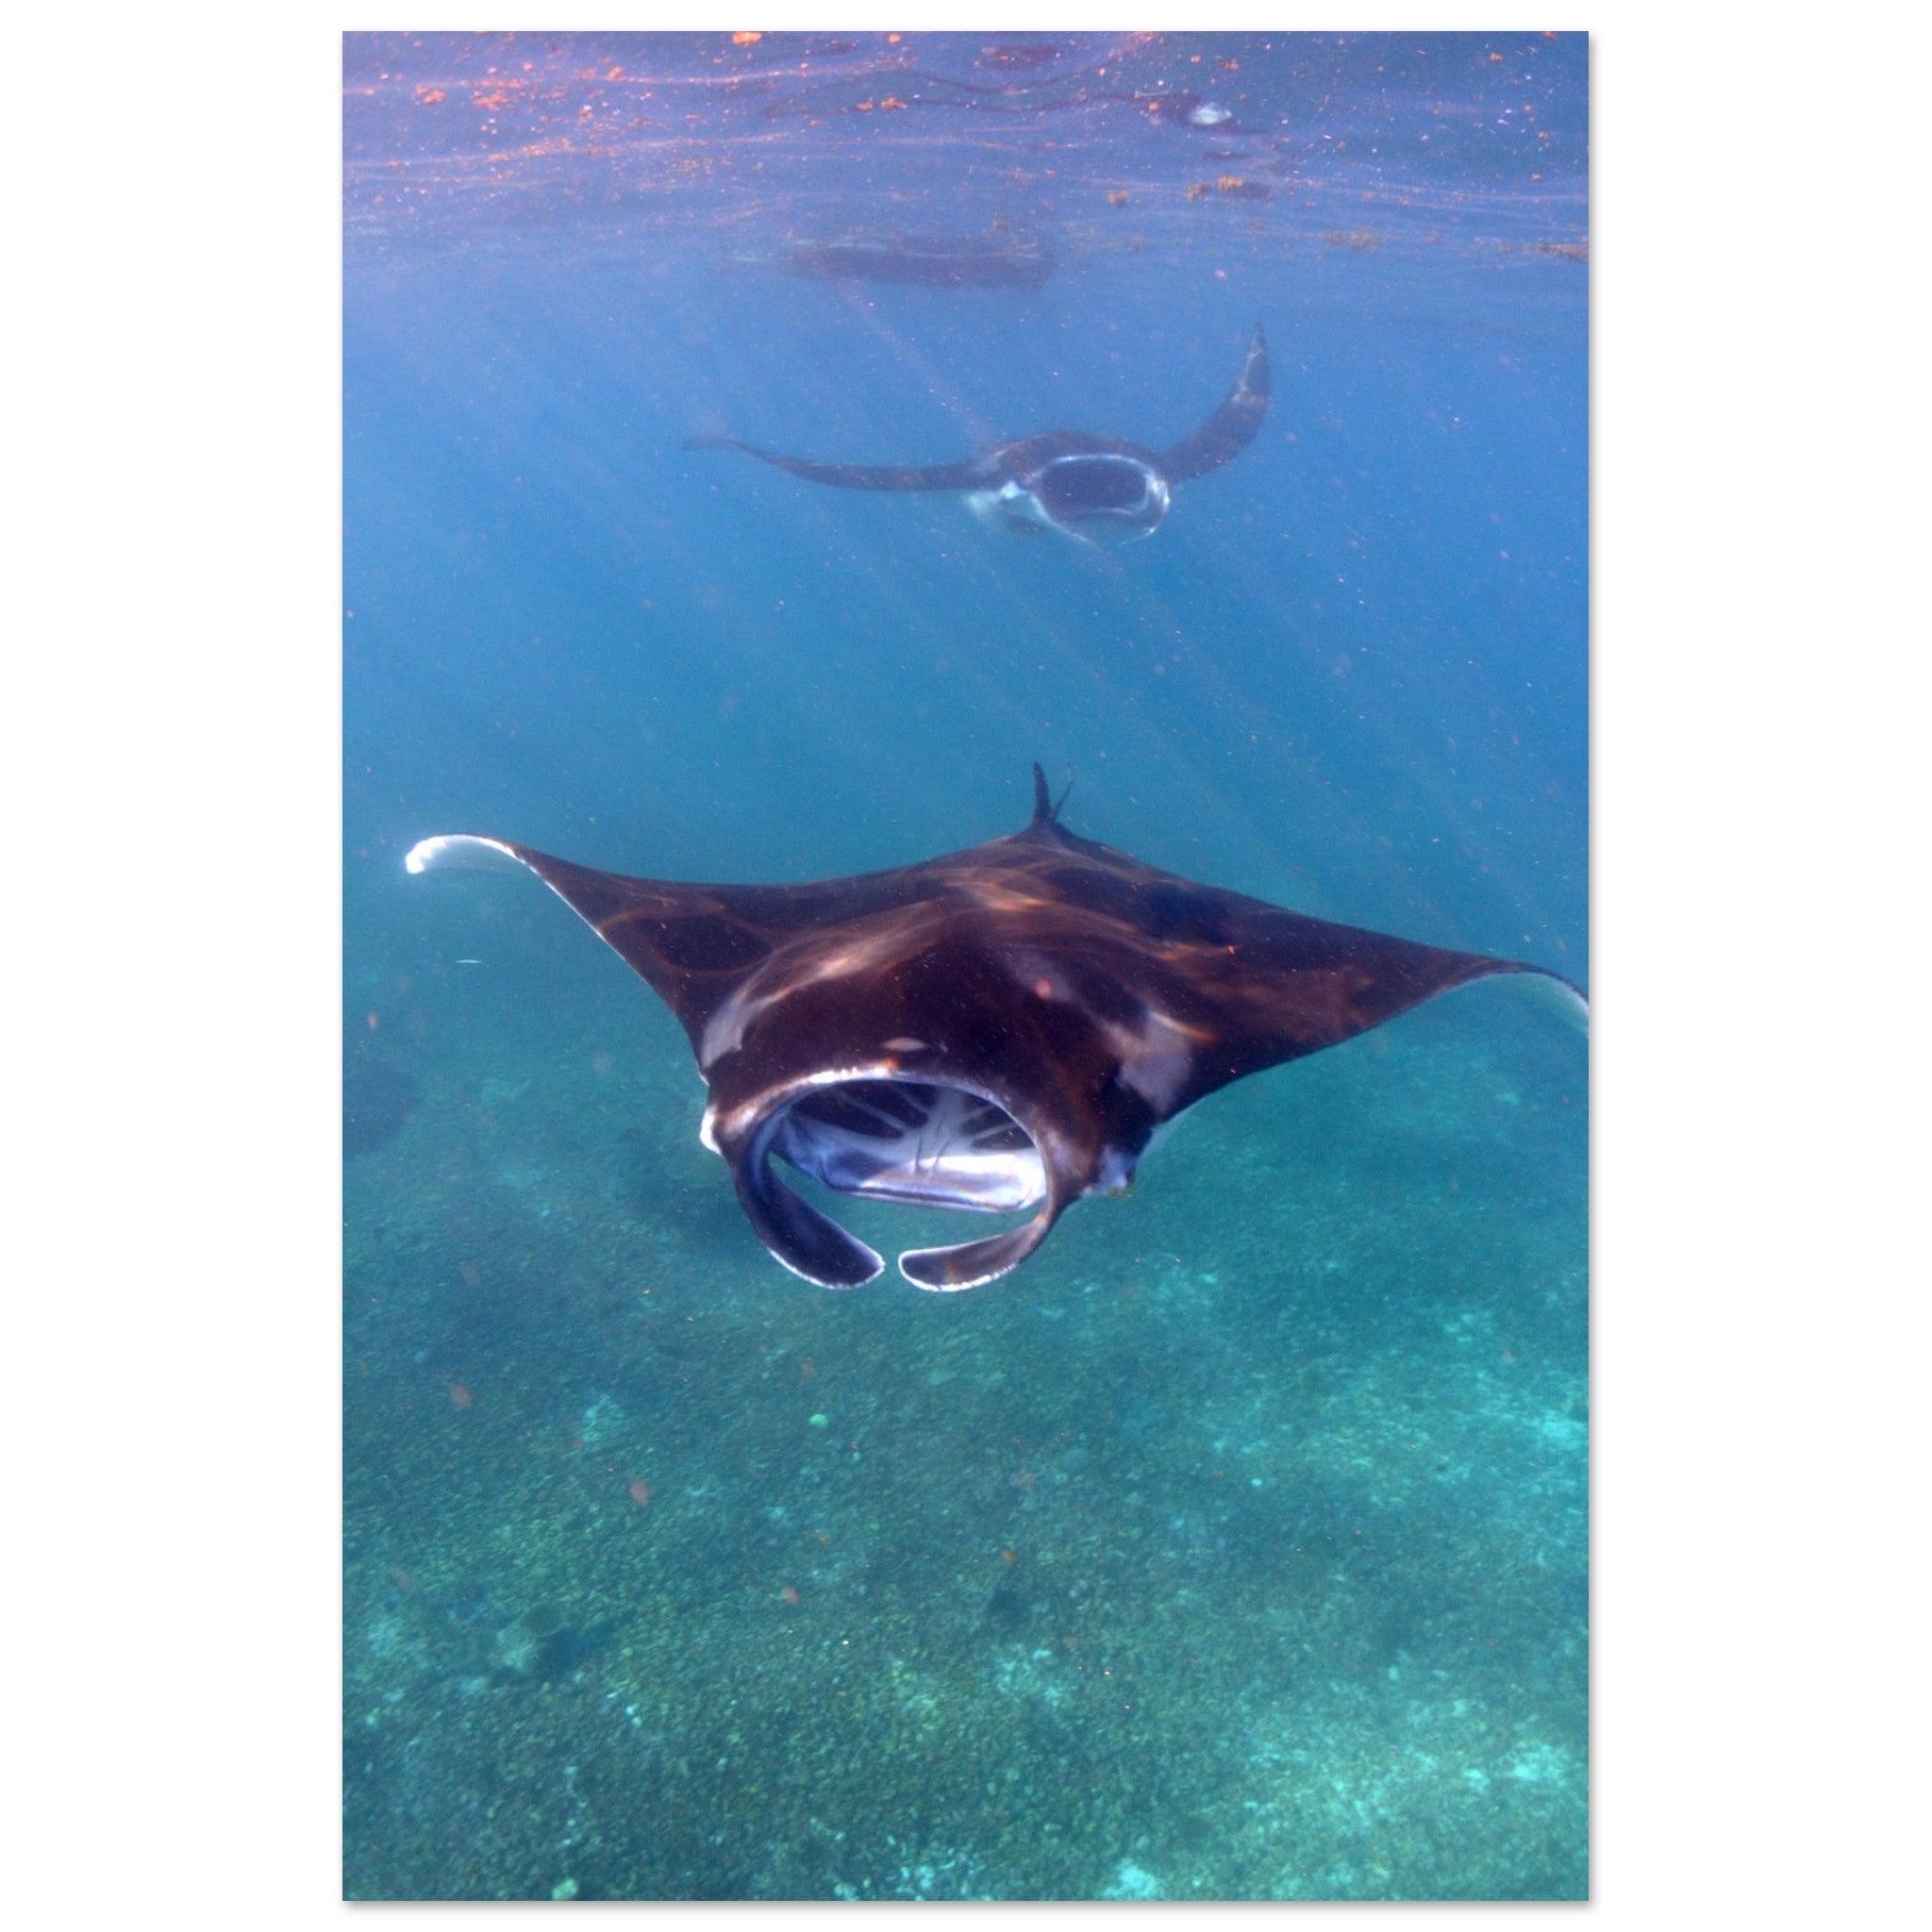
column 377, row 1097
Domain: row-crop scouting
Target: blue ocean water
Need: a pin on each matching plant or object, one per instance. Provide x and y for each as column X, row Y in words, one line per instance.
column 1236, row 1545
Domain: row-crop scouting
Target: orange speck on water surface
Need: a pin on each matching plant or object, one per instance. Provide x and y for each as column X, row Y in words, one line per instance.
column 1009, row 1555
column 460, row 1395
column 1043, row 988
column 374, row 1021
column 791, row 1595
column 747, row 39
column 808, row 1369
column 640, row 1492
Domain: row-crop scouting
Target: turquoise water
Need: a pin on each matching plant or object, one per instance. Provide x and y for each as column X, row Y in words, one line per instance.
column 1236, row 1545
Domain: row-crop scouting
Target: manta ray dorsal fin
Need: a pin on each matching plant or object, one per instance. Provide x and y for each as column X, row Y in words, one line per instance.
column 1043, row 799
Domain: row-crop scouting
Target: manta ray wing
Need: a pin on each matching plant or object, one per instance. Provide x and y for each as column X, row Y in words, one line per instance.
column 1232, row 426
column 791, row 993
column 1000, row 1029
column 953, row 476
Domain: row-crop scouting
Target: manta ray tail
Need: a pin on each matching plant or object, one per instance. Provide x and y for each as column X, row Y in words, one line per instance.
column 1232, row 426
column 852, row 475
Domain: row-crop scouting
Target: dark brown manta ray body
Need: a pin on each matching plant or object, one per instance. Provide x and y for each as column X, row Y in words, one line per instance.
column 1001, row 1028
column 1063, row 479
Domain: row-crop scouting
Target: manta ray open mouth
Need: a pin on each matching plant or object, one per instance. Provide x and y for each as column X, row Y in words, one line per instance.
column 910, row 1140
column 884, row 1135
column 1073, row 487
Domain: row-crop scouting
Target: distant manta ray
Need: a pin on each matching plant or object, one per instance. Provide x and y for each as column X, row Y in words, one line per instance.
column 1081, row 486
column 1003, row 1028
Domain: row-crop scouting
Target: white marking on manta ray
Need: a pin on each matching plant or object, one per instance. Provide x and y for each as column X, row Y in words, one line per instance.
column 1556, row 995
column 1561, row 997
column 726, row 1029
column 467, row 852
column 1013, row 500
column 460, row 850
column 1155, row 1059
column 995, row 896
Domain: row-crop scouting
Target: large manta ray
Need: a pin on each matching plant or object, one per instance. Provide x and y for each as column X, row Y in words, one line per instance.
column 1082, row 486
column 1002, row 1028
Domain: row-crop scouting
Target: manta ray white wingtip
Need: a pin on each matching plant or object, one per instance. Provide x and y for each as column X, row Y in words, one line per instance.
column 1558, row 996
column 459, row 850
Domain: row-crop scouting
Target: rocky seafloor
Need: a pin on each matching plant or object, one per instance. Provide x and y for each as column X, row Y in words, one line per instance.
column 1235, row 1547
